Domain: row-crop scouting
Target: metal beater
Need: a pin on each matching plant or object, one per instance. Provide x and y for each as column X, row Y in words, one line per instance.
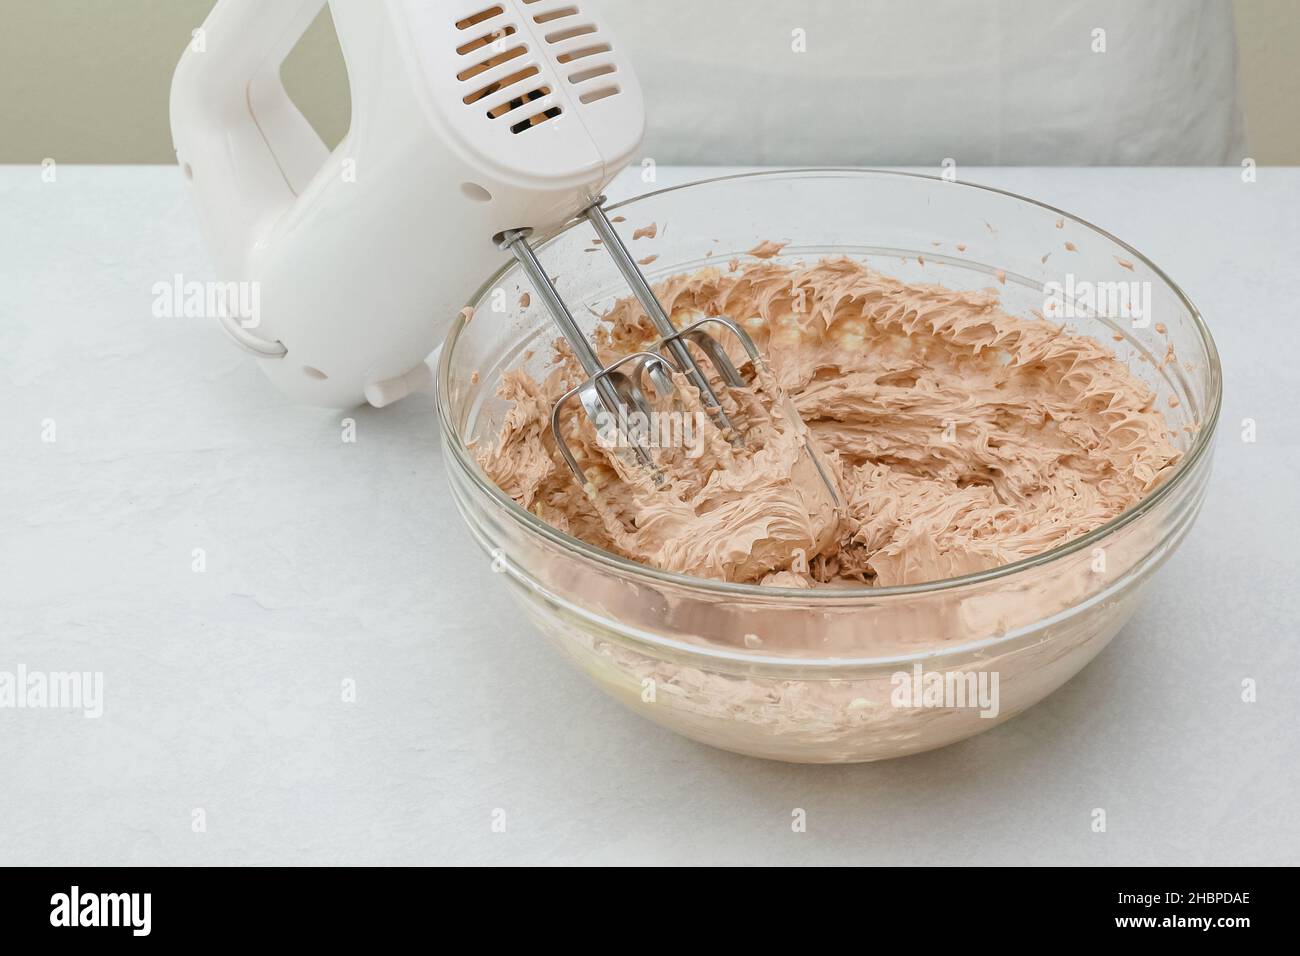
column 616, row 389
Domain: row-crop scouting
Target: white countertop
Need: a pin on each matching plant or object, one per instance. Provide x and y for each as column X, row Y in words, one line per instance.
column 328, row 562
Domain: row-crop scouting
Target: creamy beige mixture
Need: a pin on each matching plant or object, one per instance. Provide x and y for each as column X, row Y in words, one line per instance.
column 958, row 437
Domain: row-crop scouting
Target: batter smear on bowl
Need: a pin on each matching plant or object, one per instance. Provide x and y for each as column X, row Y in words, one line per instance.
column 961, row 438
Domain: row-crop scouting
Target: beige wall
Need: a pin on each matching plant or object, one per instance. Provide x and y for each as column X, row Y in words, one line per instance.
column 99, row 94
column 86, row 81
column 1268, row 38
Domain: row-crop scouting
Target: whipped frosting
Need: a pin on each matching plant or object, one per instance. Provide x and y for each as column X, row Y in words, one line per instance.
column 958, row 437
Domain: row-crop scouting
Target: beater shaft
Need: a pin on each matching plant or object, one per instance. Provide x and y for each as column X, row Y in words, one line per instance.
column 516, row 240
column 681, row 355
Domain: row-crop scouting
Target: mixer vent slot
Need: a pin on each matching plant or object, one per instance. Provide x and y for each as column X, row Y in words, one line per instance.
column 570, row 33
column 535, row 120
column 522, row 86
column 583, row 75
column 481, row 17
column 496, row 59
column 485, row 39
column 502, row 84
column 577, row 41
column 598, row 94
column 574, row 40
column 546, row 16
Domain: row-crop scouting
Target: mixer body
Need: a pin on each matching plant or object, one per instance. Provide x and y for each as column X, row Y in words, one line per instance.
column 469, row 118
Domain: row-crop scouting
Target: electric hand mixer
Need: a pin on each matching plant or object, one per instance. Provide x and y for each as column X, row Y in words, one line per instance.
column 476, row 124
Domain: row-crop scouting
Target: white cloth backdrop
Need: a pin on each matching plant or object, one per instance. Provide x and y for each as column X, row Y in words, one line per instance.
column 895, row 82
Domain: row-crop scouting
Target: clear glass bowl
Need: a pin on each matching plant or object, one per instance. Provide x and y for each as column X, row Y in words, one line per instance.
column 836, row 686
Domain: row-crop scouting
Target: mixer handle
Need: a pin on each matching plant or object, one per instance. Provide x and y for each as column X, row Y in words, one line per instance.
column 238, row 136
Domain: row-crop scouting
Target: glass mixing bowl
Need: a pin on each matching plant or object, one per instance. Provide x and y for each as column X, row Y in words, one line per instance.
column 838, row 675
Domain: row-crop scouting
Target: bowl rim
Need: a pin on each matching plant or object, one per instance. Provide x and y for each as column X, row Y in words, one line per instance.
column 1201, row 443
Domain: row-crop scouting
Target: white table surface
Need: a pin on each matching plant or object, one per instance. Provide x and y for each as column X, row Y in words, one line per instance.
column 328, row 561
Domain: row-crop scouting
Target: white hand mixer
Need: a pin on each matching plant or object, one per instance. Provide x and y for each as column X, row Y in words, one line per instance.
column 475, row 124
